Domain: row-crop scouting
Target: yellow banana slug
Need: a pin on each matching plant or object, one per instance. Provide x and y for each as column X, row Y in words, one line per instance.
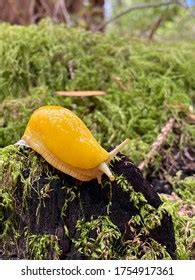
column 65, row 142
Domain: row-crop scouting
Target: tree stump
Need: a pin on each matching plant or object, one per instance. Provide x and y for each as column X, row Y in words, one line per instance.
column 46, row 214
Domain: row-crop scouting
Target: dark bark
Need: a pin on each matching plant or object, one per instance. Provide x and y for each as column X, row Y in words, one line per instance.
column 27, row 12
column 73, row 6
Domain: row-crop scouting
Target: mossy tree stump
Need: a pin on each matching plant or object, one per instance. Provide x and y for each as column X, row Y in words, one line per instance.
column 46, row 214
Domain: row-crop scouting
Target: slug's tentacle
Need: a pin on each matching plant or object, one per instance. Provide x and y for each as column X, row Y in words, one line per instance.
column 99, row 178
column 103, row 167
column 22, row 142
column 116, row 150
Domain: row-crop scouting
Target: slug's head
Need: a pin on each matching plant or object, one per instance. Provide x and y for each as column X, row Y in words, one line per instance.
column 103, row 167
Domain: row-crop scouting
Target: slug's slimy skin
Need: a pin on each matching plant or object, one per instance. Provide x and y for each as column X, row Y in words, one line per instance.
column 66, row 143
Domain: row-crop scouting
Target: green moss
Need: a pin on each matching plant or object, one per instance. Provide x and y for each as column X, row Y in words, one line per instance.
column 35, row 62
column 14, row 163
column 9, row 165
column 100, row 246
column 183, row 226
column 136, row 198
column 15, row 113
column 7, row 206
column 152, row 250
column 12, row 167
column 150, row 218
column 184, row 187
column 43, row 247
column 184, row 222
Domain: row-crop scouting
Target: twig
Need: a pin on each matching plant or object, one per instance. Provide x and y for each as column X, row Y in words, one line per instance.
column 61, row 4
column 139, row 7
column 80, row 93
column 71, row 70
column 155, row 27
column 119, row 82
column 65, row 13
column 161, row 138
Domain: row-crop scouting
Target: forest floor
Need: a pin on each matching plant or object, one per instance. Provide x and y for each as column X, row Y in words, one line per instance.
column 146, row 85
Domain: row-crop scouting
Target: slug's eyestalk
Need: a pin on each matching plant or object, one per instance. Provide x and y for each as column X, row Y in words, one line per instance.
column 117, row 150
column 103, row 167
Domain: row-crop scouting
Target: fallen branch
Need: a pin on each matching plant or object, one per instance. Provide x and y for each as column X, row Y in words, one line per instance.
column 139, row 7
column 158, row 143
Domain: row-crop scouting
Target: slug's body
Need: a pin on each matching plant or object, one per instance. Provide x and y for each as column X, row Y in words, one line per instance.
column 66, row 143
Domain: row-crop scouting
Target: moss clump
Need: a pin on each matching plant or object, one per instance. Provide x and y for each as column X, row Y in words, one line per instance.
column 43, row 247
column 14, row 114
column 101, row 245
column 153, row 250
column 183, row 225
column 6, row 213
column 184, row 187
column 17, row 168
